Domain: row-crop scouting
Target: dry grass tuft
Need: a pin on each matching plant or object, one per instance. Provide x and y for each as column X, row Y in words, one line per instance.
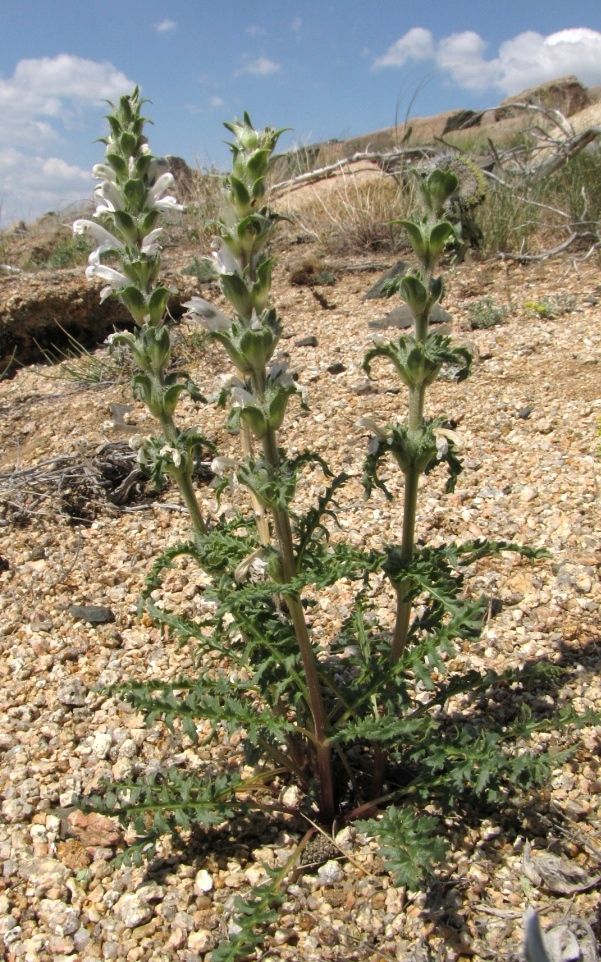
column 351, row 212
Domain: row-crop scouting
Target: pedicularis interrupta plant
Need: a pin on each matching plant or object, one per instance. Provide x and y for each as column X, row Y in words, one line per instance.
column 370, row 717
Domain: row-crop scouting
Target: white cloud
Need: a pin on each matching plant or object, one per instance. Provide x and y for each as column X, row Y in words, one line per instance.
column 254, row 31
column 523, row 61
column 259, row 67
column 31, row 185
column 296, row 25
column 217, row 101
column 417, row 44
column 40, row 104
column 165, row 26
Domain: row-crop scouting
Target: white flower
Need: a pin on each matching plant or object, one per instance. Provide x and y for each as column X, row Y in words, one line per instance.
column 371, row 425
column 156, row 194
column 381, row 433
column 168, row 452
column 226, row 467
column 210, row 317
column 223, row 465
column 157, row 166
column 224, row 260
column 105, row 240
column 255, row 560
column 104, row 172
column 443, row 436
column 442, row 447
column 108, row 197
column 280, row 374
column 116, row 280
column 151, row 244
column 241, row 397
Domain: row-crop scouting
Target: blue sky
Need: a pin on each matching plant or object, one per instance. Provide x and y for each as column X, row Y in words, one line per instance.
column 327, row 69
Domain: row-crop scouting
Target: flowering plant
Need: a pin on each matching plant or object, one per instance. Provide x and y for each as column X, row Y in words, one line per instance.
column 130, row 198
column 362, row 720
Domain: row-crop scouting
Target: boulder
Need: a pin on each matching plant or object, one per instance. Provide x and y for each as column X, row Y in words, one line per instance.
column 565, row 94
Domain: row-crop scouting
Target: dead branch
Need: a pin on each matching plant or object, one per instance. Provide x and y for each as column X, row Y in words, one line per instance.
column 554, row 250
column 566, row 150
column 554, row 116
column 323, row 172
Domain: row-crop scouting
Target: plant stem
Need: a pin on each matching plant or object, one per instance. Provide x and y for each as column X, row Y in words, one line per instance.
column 401, row 628
column 320, row 723
column 417, row 394
column 183, row 478
column 258, row 509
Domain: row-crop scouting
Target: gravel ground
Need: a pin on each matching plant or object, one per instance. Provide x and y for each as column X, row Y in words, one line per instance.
column 528, row 420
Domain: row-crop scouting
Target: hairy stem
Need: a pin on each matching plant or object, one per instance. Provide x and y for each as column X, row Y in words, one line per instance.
column 258, row 509
column 283, row 533
column 183, row 478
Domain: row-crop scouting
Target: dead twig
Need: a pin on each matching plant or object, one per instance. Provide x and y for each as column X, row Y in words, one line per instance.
column 549, row 253
column 322, row 173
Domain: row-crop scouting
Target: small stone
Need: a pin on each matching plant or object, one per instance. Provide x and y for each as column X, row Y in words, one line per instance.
column 92, row 614
column 123, row 769
column 528, row 493
column 72, row 693
column 6, row 741
column 16, row 810
column 93, row 829
column 151, row 892
column 203, row 882
column 7, row 924
column 183, row 920
column 46, row 875
column 61, row 919
column 133, row 910
column 330, row 873
column 177, row 939
column 144, row 931
column 336, row 368
column 310, row 341
column 291, row 796
column 365, row 387
column 525, row 412
column 401, row 317
column 101, row 744
column 201, row 941
column 81, row 938
column 345, row 837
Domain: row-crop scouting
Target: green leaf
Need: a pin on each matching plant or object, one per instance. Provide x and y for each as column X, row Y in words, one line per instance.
column 135, row 193
column 410, row 845
column 414, row 294
column 157, row 304
column 117, row 163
